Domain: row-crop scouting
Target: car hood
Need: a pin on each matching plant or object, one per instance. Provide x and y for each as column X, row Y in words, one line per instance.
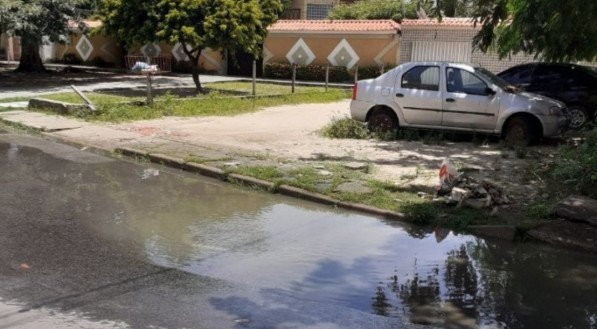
column 535, row 101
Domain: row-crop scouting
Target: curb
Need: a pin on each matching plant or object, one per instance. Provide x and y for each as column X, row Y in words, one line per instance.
column 254, row 182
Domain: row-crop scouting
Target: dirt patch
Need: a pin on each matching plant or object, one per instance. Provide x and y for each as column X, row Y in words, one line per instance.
column 288, row 136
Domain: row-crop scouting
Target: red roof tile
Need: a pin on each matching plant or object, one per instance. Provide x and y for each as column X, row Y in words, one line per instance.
column 446, row 21
column 339, row 26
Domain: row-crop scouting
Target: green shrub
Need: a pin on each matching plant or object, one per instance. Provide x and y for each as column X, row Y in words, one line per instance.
column 317, row 72
column 576, row 166
column 540, row 211
column 306, row 72
column 345, row 128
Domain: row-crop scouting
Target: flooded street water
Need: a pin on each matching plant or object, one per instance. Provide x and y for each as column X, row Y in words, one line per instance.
column 141, row 245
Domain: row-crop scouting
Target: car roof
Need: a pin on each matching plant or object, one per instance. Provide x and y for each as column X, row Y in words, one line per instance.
column 440, row 63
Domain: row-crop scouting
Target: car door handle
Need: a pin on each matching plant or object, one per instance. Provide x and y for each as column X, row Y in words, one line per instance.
column 399, row 95
column 450, row 100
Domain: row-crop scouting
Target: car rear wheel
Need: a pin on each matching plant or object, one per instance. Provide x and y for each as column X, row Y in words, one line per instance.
column 578, row 116
column 383, row 120
column 520, row 132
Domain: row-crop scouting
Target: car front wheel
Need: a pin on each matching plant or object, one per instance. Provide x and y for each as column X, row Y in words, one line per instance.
column 578, row 116
column 383, row 120
column 520, row 132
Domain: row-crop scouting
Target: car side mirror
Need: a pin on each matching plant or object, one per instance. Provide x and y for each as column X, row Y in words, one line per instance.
column 489, row 91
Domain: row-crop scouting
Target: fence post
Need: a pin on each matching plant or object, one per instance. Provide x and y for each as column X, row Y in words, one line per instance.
column 149, row 89
column 356, row 74
column 293, row 76
column 254, row 78
column 327, row 76
column 383, row 67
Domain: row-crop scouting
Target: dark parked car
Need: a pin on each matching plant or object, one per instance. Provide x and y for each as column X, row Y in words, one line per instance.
column 575, row 85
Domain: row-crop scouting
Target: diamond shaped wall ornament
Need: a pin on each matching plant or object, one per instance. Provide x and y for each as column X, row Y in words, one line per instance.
column 300, row 53
column 343, row 55
column 84, row 48
column 151, row 50
column 267, row 55
column 179, row 53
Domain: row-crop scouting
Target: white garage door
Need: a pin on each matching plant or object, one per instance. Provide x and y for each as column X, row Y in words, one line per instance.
column 441, row 51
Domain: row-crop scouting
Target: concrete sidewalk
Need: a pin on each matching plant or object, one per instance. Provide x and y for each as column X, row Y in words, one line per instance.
column 127, row 82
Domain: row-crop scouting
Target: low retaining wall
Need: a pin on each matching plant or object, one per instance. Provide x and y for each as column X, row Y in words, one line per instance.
column 56, row 106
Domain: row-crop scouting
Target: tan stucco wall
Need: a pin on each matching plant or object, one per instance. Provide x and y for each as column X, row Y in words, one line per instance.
column 210, row 60
column 104, row 47
column 367, row 47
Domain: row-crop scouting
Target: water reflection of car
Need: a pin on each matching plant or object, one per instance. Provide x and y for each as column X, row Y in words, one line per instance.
column 575, row 85
column 453, row 96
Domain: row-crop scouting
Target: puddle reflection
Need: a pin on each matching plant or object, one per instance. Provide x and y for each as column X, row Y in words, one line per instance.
column 313, row 253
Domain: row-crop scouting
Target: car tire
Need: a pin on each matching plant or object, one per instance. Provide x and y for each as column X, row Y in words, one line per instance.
column 579, row 116
column 382, row 120
column 520, row 132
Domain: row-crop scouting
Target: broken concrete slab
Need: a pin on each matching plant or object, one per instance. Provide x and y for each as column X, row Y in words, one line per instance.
column 459, row 194
column 567, row 234
column 55, row 106
column 41, row 121
column 578, row 208
column 355, row 165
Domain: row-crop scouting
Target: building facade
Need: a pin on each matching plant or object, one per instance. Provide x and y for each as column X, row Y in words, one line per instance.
column 338, row 43
column 311, row 9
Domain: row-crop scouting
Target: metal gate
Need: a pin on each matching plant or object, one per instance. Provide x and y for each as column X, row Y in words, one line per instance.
column 441, row 51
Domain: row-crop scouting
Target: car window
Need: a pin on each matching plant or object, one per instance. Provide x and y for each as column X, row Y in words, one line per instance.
column 582, row 77
column 461, row 81
column 518, row 75
column 548, row 75
column 421, row 77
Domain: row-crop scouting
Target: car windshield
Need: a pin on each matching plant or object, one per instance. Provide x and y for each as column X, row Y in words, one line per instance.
column 590, row 70
column 493, row 78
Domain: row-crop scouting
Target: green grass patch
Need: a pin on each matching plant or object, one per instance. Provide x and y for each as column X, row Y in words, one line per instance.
column 575, row 167
column 244, row 87
column 539, row 211
column 268, row 173
column 211, row 105
column 420, row 213
column 14, row 99
column 345, row 128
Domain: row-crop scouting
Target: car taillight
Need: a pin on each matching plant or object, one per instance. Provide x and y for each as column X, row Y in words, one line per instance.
column 354, row 91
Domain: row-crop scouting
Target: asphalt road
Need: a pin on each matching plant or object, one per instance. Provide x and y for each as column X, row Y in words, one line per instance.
column 62, row 266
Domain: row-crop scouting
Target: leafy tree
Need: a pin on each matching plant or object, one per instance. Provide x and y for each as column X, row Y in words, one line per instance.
column 32, row 19
column 553, row 30
column 398, row 10
column 227, row 25
column 456, row 8
column 369, row 9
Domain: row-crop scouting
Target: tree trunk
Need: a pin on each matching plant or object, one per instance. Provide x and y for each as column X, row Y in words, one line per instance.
column 194, row 55
column 30, row 57
column 195, row 72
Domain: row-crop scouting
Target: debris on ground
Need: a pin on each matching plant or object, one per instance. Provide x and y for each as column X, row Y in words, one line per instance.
column 466, row 191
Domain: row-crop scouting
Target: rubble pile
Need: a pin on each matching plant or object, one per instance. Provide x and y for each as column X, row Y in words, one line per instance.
column 466, row 191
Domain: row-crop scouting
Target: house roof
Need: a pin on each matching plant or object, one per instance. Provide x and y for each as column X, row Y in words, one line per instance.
column 446, row 22
column 335, row 26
